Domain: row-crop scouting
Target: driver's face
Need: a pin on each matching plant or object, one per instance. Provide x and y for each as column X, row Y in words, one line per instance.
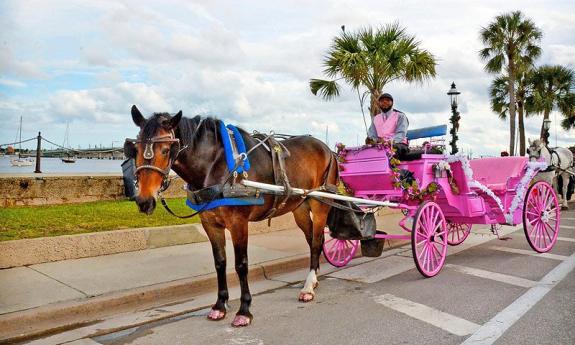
column 385, row 103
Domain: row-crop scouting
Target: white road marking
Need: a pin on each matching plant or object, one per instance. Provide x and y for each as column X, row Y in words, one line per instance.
column 504, row 278
column 565, row 218
column 494, row 328
column 530, row 252
column 566, row 239
column 566, row 227
column 445, row 321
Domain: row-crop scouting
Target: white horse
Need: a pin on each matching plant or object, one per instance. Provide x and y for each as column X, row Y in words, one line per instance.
column 560, row 158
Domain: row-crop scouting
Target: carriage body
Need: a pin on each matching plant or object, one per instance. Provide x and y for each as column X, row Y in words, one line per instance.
column 497, row 190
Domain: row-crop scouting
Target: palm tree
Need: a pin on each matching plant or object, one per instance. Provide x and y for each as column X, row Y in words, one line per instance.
column 508, row 38
column 553, row 87
column 369, row 59
column 499, row 99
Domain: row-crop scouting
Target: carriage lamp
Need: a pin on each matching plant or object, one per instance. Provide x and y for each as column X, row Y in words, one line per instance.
column 454, row 117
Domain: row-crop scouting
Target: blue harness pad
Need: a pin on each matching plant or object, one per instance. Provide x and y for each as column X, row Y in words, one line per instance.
column 231, row 163
column 239, row 141
column 226, row 202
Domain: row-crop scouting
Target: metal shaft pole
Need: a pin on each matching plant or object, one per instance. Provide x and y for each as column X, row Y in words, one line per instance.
column 38, row 153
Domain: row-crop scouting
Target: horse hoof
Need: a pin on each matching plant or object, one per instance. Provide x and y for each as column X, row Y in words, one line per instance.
column 241, row 321
column 216, row 315
column 306, row 297
column 564, row 207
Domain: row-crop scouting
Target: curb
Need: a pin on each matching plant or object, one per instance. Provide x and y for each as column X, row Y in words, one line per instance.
column 62, row 316
column 48, row 249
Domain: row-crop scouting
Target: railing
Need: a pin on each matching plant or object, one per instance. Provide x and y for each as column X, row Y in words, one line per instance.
column 67, row 150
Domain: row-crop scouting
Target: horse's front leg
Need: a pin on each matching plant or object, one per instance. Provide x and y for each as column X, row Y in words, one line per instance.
column 239, row 230
column 217, row 236
column 565, row 178
column 320, row 212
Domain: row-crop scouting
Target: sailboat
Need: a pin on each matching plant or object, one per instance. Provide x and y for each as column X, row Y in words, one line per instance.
column 69, row 158
column 21, row 162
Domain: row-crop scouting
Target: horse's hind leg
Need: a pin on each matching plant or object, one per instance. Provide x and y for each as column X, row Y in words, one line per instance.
column 304, row 222
column 239, row 230
column 217, row 236
column 320, row 212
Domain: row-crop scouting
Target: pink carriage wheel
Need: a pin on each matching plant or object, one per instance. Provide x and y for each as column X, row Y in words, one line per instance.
column 338, row 252
column 457, row 233
column 429, row 239
column 541, row 216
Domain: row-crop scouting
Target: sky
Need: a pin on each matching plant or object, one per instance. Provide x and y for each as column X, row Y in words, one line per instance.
column 83, row 64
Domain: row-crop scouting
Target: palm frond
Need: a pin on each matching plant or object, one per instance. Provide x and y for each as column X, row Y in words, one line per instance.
column 327, row 89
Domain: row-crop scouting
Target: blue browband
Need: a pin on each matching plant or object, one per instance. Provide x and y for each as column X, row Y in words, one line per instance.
column 243, row 166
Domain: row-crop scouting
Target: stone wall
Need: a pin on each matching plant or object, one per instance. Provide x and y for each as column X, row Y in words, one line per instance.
column 44, row 189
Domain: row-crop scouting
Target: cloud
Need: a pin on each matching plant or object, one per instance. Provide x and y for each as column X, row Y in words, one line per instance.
column 11, row 83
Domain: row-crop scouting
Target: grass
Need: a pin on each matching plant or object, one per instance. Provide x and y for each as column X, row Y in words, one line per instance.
column 55, row 220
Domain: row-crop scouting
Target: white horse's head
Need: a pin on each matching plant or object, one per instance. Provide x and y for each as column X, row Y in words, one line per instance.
column 536, row 149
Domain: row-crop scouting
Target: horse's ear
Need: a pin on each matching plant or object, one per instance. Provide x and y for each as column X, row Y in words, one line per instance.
column 137, row 117
column 175, row 120
column 529, row 141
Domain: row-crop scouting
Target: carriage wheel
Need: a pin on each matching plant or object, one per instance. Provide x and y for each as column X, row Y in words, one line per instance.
column 541, row 217
column 429, row 239
column 338, row 252
column 457, row 233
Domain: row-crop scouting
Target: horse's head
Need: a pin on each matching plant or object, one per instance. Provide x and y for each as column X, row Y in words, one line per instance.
column 154, row 151
column 535, row 148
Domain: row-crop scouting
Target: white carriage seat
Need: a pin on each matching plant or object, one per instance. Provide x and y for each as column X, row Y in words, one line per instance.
column 497, row 172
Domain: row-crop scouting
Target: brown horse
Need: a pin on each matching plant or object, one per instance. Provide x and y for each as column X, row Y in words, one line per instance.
column 193, row 149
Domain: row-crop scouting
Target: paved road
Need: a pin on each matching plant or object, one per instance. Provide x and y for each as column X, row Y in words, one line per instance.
column 490, row 291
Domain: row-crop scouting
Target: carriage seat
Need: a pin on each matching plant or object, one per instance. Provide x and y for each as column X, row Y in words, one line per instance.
column 427, row 132
column 494, row 172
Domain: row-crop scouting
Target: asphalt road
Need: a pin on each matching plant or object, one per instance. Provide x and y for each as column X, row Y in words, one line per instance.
column 494, row 292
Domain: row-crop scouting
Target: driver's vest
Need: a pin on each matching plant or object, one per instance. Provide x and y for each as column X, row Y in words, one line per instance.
column 386, row 127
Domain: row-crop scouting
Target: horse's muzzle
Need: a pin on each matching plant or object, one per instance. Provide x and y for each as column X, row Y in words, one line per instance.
column 146, row 205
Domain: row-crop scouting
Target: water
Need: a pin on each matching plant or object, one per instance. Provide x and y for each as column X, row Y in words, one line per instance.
column 55, row 165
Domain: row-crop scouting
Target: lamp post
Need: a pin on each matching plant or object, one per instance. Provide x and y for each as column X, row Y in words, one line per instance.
column 546, row 127
column 454, row 118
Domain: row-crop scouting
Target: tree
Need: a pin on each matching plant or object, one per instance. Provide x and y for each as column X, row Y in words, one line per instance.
column 507, row 39
column 370, row 59
column 553, row 88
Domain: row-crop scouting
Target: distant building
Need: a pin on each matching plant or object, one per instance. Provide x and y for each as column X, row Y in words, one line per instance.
column 10, row 150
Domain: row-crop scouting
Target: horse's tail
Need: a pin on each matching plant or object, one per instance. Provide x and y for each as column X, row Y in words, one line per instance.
column 331, row 176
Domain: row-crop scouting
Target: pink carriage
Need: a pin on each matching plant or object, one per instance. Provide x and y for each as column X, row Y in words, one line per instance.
column 495, row 191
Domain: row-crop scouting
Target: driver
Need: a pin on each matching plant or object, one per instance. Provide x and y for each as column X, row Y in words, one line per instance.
column 389, row 124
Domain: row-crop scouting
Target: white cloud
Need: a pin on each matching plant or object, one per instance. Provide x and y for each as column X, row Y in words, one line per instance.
column 95, row 59
column 11, row 83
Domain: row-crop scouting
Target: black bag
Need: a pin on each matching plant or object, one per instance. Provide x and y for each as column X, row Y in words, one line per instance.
column 350, row 225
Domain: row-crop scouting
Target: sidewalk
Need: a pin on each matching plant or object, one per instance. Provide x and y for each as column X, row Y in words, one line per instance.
column 41, row 297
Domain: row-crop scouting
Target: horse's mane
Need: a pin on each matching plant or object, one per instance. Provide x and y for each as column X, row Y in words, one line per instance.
column 193, row 129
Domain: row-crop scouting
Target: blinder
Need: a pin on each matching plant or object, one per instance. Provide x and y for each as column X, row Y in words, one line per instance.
column 130, row 151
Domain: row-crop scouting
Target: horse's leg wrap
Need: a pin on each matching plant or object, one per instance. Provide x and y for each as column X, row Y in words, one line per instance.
column 307, row 294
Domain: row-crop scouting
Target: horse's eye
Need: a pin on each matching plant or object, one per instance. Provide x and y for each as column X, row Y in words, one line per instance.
column 165, row 151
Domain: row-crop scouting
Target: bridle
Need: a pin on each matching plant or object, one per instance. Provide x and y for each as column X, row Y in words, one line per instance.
column 174, row 152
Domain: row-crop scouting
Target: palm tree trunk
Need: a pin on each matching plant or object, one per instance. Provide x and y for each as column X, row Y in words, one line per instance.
column 374, row 105
column 521, row 123
column 545, row 117
column 511, row 90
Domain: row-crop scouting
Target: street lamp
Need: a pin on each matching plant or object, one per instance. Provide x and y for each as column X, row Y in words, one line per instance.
column 454, row 117
column 546, row 127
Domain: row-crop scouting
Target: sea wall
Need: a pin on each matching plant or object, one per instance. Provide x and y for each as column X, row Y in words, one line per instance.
column 51, row 189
